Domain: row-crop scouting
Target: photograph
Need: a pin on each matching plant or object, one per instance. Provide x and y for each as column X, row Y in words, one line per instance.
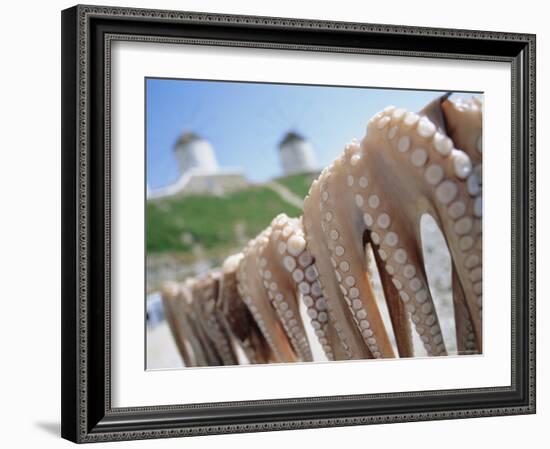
column 277, row 222
column 302, row 223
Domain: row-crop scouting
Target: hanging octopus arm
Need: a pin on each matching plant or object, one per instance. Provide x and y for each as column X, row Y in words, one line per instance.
column 311, row 277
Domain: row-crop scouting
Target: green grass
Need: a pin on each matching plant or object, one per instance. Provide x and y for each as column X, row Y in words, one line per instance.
column 177, row 224
column 298, row 184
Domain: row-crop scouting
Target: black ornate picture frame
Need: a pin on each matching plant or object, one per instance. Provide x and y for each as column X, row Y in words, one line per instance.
column 87, row 34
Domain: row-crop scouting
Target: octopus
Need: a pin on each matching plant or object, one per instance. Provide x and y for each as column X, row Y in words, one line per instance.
column 313, row 275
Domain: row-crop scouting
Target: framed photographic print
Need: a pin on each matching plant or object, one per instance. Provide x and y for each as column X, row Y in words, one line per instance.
column 283, row 223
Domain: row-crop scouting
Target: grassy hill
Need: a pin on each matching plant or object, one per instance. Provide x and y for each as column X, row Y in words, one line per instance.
column 298, row 184
column 217, row 224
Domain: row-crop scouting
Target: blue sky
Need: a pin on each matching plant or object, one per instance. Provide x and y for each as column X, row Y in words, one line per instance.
column 246, row 121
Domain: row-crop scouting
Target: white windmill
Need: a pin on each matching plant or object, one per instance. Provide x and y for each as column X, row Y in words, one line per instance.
column 296, row 154
column 195, row 153
column 199, row 170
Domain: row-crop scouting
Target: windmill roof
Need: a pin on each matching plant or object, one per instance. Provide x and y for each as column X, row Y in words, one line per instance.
column 187, row 137
column 291, row 136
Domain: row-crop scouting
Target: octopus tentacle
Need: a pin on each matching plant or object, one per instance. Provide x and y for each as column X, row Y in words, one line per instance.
column 254, row 289
column 189, row 321
column 204, row 354
column 440, row 189
column 465, row 338
column 300, row 264
column 464, row 121
column 398, row 160
column 343, row 235
column 176, row 314
column 399, row 315
column 348, row 343
column 207, row 355
column 235, row 316
column 284, row 265
column 205, row 295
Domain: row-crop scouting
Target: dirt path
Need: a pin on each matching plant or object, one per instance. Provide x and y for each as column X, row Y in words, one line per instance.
column 286, row 194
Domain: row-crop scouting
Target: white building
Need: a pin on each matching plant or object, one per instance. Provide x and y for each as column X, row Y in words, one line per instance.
column 199, row 170
column 193, row 152
column 296, row 154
